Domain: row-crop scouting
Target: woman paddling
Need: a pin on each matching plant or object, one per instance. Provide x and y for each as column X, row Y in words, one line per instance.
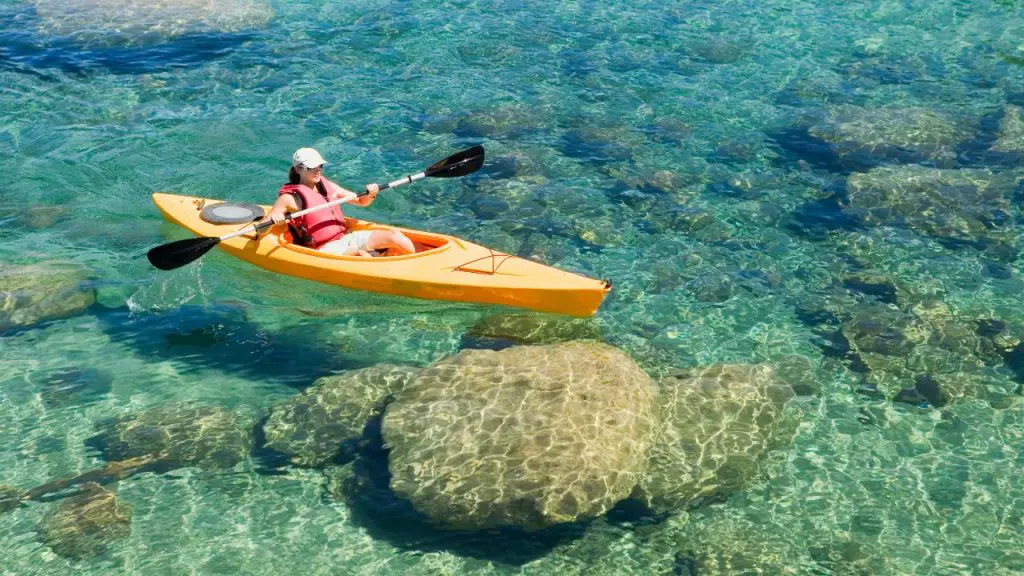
column 325, row 230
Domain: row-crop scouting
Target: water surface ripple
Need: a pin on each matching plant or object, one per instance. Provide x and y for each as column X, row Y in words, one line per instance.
column 832, row 187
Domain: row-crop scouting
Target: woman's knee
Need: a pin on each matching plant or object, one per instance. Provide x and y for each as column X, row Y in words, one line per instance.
column 386, row 239
column 403, row 241
column 378, row 239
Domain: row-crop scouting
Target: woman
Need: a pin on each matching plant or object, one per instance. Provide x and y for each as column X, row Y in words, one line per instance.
column 325, row 230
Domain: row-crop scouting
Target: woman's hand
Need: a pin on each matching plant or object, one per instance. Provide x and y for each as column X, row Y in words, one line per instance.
column 372, row 190
column 276, row 216
column 279, row 211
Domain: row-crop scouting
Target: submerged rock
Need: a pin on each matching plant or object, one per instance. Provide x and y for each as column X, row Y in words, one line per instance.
column 675, row 219
column 799, row 372
column 342, row 482
column 1010, row 142
column 595, row 146
column 743, row 149
column 530, row 436
column 884, row 70
column 311, row 426
column 927, row 355
column 812, row 87
column 879, row 329
column 721, row 544
column 499, row 122
column 33, row 217
column 711, row 286
column 669, row 130
column 960, row 205
column 716, row 49
column 134, row 22
column 862, row 138
column 529, row 328
column 717, row 423
column 880, row 286
column 41, row 292
column 179, row 436
column 74, row 386
column 639, row 187
column 86, row 524
column 10, row 498
column 488, row 207
column 112, row 472
column 543, row 249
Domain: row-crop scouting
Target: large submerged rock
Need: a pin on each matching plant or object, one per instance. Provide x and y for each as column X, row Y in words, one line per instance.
column 530, row 436
column 135, row 22
column 927, row 355
column 41, row 292
column 179, row 436
column 861, row 137
column 965, row 205
column 86, row 524
column 311, row 426
column 530, row 328
column 718, row 422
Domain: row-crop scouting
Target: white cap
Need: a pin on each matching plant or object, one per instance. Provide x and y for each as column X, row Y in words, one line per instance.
column 308, row 158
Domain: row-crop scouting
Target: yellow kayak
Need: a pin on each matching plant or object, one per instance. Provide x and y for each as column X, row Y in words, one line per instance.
column 443, row 267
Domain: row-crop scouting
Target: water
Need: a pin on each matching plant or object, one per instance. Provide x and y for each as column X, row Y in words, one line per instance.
column 704, row 156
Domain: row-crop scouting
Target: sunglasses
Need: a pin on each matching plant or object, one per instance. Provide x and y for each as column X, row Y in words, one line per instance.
column 319, row 168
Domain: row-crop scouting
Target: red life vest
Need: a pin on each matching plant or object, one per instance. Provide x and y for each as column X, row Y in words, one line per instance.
column 316, row 228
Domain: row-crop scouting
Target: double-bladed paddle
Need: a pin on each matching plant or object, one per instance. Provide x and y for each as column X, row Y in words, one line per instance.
column 176, row 254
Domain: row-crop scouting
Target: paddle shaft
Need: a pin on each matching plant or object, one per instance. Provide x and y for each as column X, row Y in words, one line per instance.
column 407, row 180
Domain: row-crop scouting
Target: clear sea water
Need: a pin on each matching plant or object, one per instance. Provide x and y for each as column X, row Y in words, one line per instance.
column 596, row 115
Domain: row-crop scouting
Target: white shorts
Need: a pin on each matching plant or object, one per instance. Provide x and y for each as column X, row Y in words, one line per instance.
column 350, row 243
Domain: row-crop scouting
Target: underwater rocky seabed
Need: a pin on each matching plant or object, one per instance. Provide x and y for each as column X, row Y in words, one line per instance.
column 811, row 213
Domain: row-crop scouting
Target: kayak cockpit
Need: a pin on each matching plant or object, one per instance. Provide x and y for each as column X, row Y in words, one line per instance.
column 426, row 244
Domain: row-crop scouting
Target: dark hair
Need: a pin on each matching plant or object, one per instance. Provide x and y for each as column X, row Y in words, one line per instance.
column 293, row 178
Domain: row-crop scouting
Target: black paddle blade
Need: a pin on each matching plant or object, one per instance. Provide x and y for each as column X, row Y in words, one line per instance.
column 176, row 254
column 459, row 164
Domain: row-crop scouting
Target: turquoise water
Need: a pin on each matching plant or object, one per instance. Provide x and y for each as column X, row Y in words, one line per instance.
column 680, row 149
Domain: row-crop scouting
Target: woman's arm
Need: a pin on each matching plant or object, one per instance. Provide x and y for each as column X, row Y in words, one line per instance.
column 363, row 201
column 285, row 204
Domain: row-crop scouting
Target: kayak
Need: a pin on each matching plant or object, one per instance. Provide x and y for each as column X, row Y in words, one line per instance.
column 443, row 267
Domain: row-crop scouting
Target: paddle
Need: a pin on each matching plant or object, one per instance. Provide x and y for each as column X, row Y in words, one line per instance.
column 176, row 254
